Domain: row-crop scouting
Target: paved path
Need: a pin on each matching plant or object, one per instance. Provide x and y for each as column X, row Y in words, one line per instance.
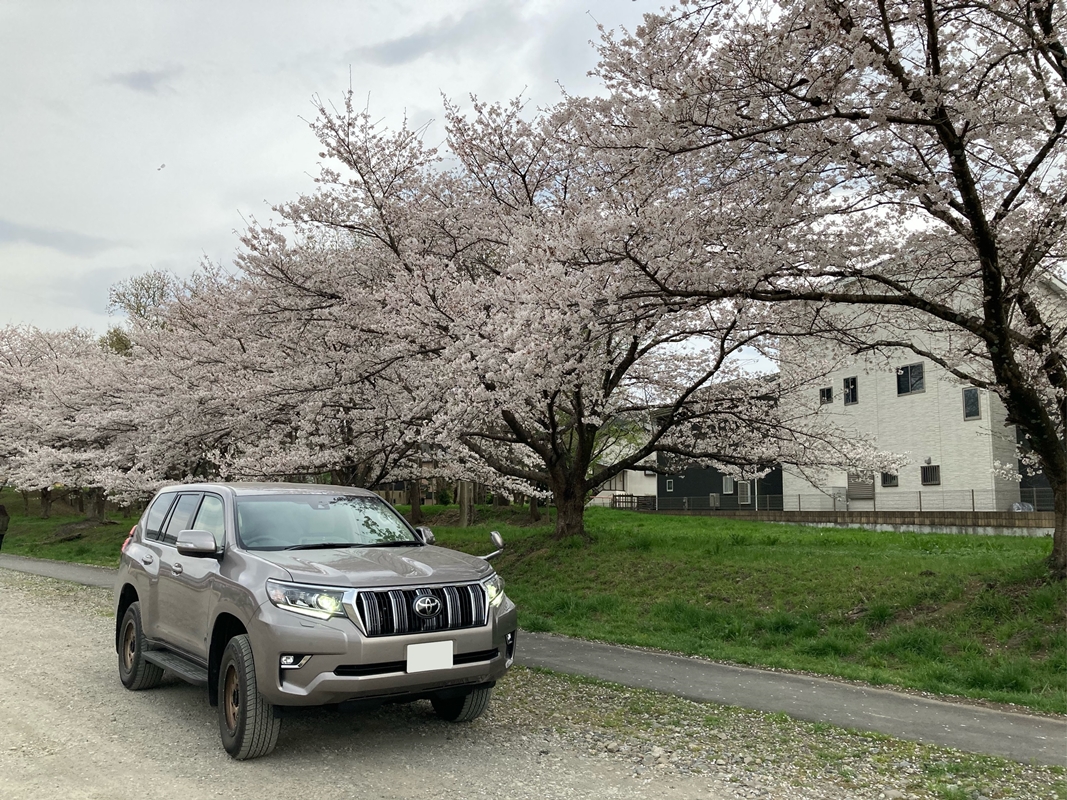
column 1022, row 737
column 103, row 577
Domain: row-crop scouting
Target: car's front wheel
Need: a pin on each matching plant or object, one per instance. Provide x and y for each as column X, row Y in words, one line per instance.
column 247, row 723
column 134, row 672
column 463, row 709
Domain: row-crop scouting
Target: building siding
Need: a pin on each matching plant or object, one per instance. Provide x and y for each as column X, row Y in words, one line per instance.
column 928, row 427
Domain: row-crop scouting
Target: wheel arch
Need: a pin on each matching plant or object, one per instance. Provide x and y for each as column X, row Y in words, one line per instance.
column 127, row 597
column 225, row 628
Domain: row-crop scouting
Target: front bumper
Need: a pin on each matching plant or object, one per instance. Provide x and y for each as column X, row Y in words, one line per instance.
column 343, row 664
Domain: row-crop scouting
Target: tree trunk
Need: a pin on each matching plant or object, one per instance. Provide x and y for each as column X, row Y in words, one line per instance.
column 46, row 503
column 349, row 475
column 97, row 503
column 81, row 501
column 570, row 513
column 465, row 490
column 5, row 520
column 25, row 502
column 415, row 498
column 535, row 512
column 1058, row 559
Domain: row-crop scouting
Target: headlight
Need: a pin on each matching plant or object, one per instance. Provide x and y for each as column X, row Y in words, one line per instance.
column 312, row 601
column 494, row 590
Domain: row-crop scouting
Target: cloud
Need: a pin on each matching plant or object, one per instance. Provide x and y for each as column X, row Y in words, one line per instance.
column 88, row 291
column 74, row 244
column 145, row 80
column 495, row 22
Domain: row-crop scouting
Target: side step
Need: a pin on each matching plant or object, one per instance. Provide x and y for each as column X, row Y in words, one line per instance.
column 183, row 668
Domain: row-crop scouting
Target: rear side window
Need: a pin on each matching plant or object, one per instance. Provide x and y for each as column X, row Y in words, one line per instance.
column 210, row 518
column 181, row 519
column 156, row 514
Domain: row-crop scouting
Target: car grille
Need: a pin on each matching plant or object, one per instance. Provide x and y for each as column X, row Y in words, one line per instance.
column 390, row 667
column 391, row 612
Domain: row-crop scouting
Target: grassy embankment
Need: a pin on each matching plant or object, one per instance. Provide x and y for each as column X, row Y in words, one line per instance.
column 65, row 535
column 964, row 615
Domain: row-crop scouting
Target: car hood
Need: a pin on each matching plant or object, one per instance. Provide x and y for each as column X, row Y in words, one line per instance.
column 374, row 567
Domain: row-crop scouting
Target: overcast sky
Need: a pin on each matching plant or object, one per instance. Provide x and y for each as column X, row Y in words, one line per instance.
column 140, row 135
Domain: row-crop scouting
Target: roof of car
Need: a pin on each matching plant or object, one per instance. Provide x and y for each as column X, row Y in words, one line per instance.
column 265, row 487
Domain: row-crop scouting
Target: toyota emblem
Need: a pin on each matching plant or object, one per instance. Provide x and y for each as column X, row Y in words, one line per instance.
column 427, row 606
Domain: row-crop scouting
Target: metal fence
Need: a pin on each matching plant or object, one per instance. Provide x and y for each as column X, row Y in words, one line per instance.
column 629, row 502
column 1024, row 499
column 948, row 500
column 720, row 502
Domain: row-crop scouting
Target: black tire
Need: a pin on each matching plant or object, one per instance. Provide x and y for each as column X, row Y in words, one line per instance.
column 463, row 709
column 134, row 672
column 247, row 723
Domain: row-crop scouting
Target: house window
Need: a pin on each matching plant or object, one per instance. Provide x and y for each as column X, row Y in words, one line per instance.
column 931, row 475
column 727, row 484
column 972, row 409
column 889, row 479
column 910, row 379
column 826, row 396
column 670, row 485
column 615, row 484
column 744, row 493
column 860, row 486
column 852, row 393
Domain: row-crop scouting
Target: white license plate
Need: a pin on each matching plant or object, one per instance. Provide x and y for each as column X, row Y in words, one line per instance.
column 429, row 656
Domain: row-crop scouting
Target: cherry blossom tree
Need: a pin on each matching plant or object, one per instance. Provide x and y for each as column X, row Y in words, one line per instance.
column 268, row 381
column 66, row 417
column 497, row 272
column 905, row 158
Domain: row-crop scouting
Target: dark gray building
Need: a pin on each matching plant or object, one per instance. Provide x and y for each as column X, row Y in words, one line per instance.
column 708, row 488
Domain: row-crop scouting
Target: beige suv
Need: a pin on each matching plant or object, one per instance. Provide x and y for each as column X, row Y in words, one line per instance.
column 279, row 595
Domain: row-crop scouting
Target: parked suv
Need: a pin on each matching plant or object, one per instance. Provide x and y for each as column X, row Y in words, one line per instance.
column 275, row 595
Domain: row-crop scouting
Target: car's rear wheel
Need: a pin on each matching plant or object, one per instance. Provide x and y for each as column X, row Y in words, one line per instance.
column 247, row 724
column 134, row 672
column 463, row 709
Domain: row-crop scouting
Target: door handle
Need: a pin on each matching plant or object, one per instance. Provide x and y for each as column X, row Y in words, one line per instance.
column 177, row 569
column 147, row 559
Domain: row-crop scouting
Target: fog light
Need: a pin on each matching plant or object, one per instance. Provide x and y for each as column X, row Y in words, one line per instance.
column 509, row 649
column 293, row 661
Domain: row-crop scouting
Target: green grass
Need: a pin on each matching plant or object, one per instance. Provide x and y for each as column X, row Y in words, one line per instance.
column 964, row 615
column 64, row 536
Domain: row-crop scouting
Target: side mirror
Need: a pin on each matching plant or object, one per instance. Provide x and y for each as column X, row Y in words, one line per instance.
column 200, row 544
column 498, row 543
column 425, row 534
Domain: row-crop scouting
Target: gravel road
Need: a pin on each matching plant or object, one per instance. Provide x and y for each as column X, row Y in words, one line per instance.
column 68, row 729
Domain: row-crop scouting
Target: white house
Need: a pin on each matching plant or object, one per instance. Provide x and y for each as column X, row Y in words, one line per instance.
column 636, row 482
column 953, row 434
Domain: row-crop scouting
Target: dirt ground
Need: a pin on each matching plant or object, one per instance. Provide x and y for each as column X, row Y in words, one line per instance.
column 68, row 729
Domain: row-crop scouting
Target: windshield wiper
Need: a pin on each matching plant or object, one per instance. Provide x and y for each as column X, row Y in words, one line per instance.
column 407, row 543
column 329, row 545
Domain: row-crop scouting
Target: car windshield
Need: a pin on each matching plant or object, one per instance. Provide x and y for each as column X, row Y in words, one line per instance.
column 297, row 521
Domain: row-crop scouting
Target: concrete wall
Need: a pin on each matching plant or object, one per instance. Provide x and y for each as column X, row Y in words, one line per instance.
column 990, row 523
